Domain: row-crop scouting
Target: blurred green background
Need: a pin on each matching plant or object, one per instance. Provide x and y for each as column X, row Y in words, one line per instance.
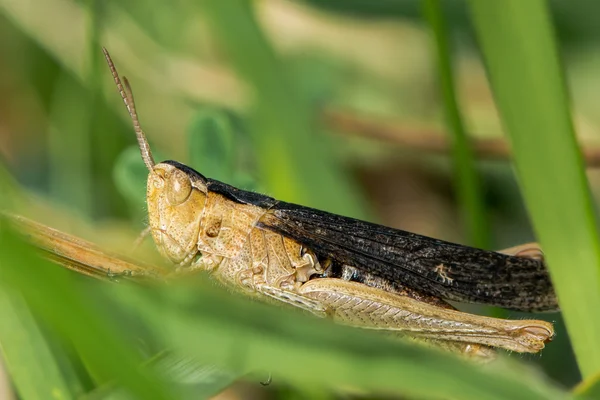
column 338, row 105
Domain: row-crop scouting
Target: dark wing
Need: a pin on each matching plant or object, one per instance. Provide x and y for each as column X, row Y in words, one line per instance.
column 439, row 268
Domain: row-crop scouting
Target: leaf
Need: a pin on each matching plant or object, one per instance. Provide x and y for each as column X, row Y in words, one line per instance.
column 294, row 163
column 588, row 389
column 52, row 295
column 211, row 143
column 130, row 175
column 524, row 69
column 27, row 356
column 217, row 327
column 467, row 182
column 218, row 148
column 189, row 379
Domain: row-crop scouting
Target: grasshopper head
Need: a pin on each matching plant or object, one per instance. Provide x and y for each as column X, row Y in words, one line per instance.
column 176, row 199
column 175, row 194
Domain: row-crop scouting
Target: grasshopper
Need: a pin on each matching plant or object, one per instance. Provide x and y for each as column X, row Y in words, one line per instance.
column 354, row 272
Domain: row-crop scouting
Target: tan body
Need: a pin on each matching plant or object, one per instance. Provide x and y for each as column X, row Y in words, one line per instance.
column 211, row 232
column 198, row 228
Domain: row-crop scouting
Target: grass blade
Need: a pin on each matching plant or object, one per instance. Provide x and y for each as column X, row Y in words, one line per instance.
column 517, row 41
column 53, row 297
column 588, row 389
column 294, row 162
column 217, row 327
column 466, row 179
column 32, row 367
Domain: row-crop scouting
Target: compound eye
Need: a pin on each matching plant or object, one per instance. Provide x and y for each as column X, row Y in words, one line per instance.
column 179, row 188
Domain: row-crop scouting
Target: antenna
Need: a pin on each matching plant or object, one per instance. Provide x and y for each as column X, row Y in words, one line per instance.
column 127, row 96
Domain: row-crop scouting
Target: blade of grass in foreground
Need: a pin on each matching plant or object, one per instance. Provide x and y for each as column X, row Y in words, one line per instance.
column 52, row 296
column 589, row 388
column 517, row 41
column 187, row 379
column 33, row 370
column 217, row 327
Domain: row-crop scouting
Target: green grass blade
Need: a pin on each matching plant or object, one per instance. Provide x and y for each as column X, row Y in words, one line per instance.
column 517, row 41
column 192, row 380
column 51, row 295
column 27, row 356
column 218, row 327
column 295, row 163
column 188, row 379
column 466, row 179
column 588, row 389
column 73, row 119
column 70, row 171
